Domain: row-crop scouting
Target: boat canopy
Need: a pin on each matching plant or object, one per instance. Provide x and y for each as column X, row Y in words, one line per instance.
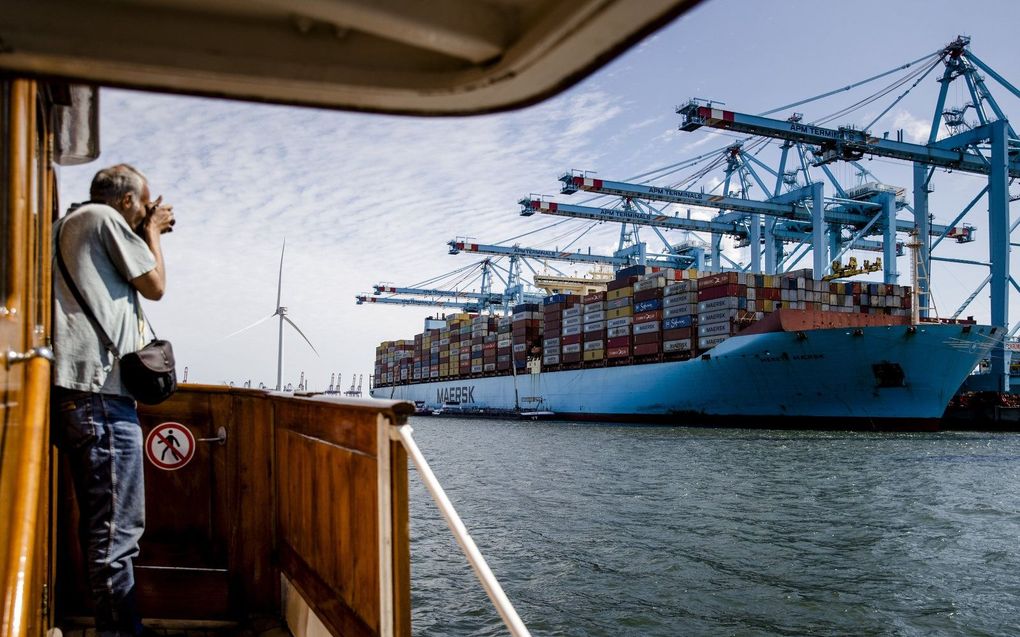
column 442, row 57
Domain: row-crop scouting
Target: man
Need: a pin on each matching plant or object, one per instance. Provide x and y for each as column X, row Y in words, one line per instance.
column 111, row 247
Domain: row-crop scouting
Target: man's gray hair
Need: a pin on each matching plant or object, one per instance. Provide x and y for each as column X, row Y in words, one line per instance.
column 111, row 184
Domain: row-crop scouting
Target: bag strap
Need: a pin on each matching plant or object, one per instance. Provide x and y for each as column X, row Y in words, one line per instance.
column 107, row 343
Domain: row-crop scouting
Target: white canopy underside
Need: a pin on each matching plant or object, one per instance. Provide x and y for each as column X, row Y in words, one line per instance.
column 396, row 56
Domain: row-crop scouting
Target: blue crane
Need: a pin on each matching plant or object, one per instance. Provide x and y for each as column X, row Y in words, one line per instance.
column 988, row 148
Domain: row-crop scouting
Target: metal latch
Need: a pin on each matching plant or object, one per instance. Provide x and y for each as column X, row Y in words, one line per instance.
column 13, row 357
column 221, row 437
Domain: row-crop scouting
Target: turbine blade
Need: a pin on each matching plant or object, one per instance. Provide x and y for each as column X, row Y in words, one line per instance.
column 302, row 335
column 244, row 329
column 279, row 280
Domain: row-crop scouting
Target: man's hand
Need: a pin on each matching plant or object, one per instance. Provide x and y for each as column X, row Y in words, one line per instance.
column 159, row 218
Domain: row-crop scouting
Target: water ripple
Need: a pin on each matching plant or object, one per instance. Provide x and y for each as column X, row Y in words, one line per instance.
column 656, row 531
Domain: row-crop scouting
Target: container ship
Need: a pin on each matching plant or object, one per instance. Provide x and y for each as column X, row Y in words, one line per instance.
column 671, row 346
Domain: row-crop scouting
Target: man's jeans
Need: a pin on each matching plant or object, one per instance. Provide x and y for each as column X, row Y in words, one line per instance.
column 101, row 436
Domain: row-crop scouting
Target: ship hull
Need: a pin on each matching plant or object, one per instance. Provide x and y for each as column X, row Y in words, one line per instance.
column 866, row 377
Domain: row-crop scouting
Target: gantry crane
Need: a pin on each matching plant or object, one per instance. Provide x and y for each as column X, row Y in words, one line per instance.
column 632, row 255
column 988, row 148
column 466, row 301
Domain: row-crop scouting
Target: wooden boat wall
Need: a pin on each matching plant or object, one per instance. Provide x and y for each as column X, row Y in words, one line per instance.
column 302, row 507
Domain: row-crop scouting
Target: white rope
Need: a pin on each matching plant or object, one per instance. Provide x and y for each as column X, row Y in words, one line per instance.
column 474, row 557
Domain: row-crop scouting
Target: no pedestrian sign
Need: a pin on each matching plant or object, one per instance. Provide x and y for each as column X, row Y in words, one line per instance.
column 170, row 446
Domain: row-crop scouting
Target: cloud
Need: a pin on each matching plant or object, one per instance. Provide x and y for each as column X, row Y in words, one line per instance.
column 359, row 199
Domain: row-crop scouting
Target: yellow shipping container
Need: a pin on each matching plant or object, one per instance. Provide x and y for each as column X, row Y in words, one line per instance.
column 619, row 294
column 595, row 355
column 619, row 312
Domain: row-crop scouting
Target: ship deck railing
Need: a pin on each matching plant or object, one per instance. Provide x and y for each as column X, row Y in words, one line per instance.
column 294, row 506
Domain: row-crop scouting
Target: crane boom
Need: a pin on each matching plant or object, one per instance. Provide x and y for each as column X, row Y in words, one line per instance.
column 625, row 215
column 780, row 206
column 453, row 294
column 362, row 299
column 849, row 144
column 555, row 255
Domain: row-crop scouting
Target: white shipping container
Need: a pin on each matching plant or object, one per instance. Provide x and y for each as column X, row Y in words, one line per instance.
column 504, row 342
column 623, row 301
column 573, row 320
column 710, row 341
column 489, row 367
column 727, row 302
column 646, row 328
column 650, row 283
column 551, row 359
column 475, row 369
column 527, row 316
column 619, row 321
column 571, row 330
column 715, row 329
column 680, row 299
column 551, row 342
column 477, row 348
column 594, row 307
column 596, row 326
column 591, row 346
column 614, row 332
column 444, row 341
column 506, row 321
column 680, row 310
column 681, row 345
column 690, row 285
column 573, row 348
column 520, row 347
column 716, row 316
column 598, row 315
column 572, row 311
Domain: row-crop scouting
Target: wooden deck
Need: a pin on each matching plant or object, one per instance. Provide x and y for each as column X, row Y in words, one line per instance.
column 259, row 627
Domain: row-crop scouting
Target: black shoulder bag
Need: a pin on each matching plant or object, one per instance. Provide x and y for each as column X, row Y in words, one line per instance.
column 149, row 374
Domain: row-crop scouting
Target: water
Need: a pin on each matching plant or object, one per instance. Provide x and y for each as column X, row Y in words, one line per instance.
column 656, row 531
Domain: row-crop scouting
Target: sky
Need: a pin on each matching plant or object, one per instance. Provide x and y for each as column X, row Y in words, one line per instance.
column 362, row 199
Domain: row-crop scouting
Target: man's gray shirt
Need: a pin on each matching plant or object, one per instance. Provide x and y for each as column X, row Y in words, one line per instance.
column 102, row 254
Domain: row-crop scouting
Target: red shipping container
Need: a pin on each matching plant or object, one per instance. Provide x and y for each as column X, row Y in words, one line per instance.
column 571, row 358
column 713, row 280
column 648, row 295
column 645, row 339
column 645, row 350
column 645, row 317
column 594, row 298
column 619, row 341
column 618, row 352
column 488, row 346
column 721, row 291
column 677, row 334
column 570, row 340
column 616, row 284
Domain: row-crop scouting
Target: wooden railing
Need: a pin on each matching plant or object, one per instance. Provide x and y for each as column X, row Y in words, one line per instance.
column 311, row 488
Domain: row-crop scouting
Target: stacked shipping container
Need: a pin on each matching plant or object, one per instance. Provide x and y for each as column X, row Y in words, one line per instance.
column 645, row 315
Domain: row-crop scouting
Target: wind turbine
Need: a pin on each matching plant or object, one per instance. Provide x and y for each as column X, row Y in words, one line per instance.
column 281, row 311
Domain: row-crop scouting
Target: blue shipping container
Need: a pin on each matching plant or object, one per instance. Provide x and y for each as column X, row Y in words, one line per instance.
column 555, row 298
column 677, row 322
column 648, row 306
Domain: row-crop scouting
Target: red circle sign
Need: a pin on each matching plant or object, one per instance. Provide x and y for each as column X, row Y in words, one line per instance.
column 170, row 446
